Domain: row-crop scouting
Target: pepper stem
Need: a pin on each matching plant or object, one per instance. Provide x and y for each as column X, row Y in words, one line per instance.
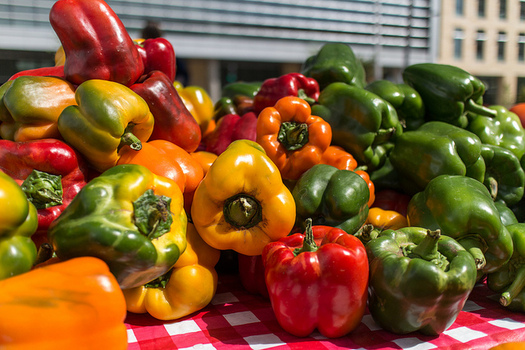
column 242, row 211
column 472, row 106
column 515, row 288
column 427, row 249
column 367, row 233
column 129, row 139
column 42, row 189
column 308, row 241
column 292, row 135
column 476, row 248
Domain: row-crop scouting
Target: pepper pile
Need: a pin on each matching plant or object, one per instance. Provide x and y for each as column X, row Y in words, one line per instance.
column 316, row 187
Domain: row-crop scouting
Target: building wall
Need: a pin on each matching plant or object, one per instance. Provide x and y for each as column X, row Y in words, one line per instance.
column 501, row 76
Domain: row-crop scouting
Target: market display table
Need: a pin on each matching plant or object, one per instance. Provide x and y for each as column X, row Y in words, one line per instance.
column 239, row 320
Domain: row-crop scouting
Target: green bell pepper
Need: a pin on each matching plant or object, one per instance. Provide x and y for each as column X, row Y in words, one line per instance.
column 462, row 208
column 419, row 280
column 239, row 88
column 509, row 280
column 449, row 93
column 18, row 222
column 405, row 99
column 362, row 122
column 436, row 148
column 331, row 197
column 504, row 176
column 129, row 217
column 335, row 62
column 503, row 130
column 506, row 214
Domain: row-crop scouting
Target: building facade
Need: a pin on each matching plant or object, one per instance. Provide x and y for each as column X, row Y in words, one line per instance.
column 486, row 38
column 228, row 40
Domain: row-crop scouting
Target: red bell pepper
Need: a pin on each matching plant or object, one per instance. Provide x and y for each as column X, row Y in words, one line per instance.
column 157, row 54
column 229, row 128
column 64, row 173
column 55, row 71
column 95, row 42
column 291, row 84
column 392, row 200
column 251, row 274
column 173, row 121
column 318, row 279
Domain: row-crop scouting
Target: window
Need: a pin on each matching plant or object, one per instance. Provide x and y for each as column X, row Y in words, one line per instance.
column 502, row 8
column 502, row 39
column 481, row 8
column 521, row 47
column 522, row 10
column 480, row 44
column 458, row 43
column 459, row 7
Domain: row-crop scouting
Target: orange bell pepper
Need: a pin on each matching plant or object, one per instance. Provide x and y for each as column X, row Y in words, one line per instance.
column 74, row 304
column 205, row 159
column 294, row 139
column 386, row 219
column 186, row 288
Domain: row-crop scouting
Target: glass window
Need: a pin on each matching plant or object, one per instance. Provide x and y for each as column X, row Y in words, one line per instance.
column 502, row 39
column 459, row 7
column 480, row 44
column 521, row 47
column 502, row 8
column 481, row 8
column 458, row 43
column 522, row 10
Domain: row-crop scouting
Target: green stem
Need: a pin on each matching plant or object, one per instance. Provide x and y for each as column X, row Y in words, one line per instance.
column 476, row 248
column 128, row 138
column 492, row 185
column 472, row 106
column 366, row 233
column 308, row 241
column 292, row 135
column 42, row 189
column 302, row 94
column 427, row 249
column 515, row 288
column 242, row 211
column 45, row 252
column 152, row 214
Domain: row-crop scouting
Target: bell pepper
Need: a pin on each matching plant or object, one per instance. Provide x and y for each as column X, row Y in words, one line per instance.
column 241, row 88
column 166, row 159
column 188, row 287
column 95, row 41
column 436, row 148
column 74, row 304
column 60, row 57
column 335, row 62
column 205, row 159
column 55, row 71
column 129, row 217
column 108, row 116
column 317, row 280
column 383, row 219
column 173, row 121
column 18, row 222
column 504, row 176
column 462, row 208
column 419, row 280
column 251, row 274
column 392, row 200
column 242, row 203
column 198, row 103
column 157, row 54
column 509, row 280
column 449, row 93
column 229, row 128
column 405, row 99
column 49, row 172
column 342, row 160
column 290, row 84
column 504, row 130
column 292, row 136
column 361, row 122
column 30, row 107
column 332, row 197
column 506, row 214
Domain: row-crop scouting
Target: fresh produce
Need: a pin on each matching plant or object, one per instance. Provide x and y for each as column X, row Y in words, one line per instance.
column 229, row 128
column 157, row 54
column 242, row 203
column 128, row 217
column 199, row 104
column 317, row 280
column 74, row 304
column 419, row 280
column 18, row 222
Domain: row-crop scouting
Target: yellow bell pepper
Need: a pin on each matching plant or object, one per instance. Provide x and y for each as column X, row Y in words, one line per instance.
column 386, row 219
column 188, row 287
column 242, row 203
column 198, row 102
column 60, row 56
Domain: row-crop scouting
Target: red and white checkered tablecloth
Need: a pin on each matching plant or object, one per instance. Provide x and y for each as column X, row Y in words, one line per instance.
column 236, row 319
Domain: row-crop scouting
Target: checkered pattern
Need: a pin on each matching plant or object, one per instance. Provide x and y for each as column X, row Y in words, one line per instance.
column 237, row 319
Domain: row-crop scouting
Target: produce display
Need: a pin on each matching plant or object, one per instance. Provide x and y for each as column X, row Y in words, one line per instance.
column 326, row 194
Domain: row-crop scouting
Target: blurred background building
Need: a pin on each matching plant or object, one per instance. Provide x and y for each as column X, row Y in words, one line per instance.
column 221, row 41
